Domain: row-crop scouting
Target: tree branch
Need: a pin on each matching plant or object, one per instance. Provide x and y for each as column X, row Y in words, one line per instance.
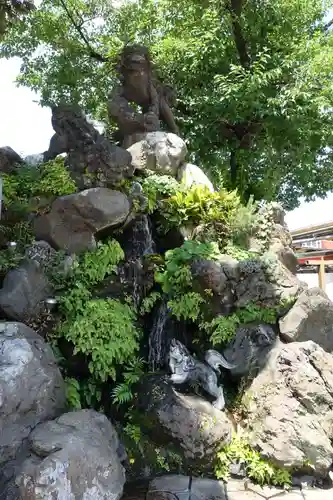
column 92, row 51
column 328, row 25
column 235, row 9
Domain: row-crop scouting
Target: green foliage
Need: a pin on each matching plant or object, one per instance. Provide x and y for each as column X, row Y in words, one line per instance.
column 149, row 302
column 239, row 253
column 254, row 88
column 217, row 216
column 53, row 180
column 123, row 392
column 25, row 186
column 9, row 260
column 176, row 277
column 73, row 398
column 256, row 468
column 91, row 268
column 11, row 11
column 102, row 329
column 222, row 328
column 157, row 187
column 186, row 306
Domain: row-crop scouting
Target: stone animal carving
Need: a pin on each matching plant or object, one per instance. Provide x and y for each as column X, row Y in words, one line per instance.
column 185, row 368
column 250, row 348
column 139, row 87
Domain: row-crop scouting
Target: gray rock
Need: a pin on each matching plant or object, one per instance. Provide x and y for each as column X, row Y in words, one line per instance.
column 160, row 152
column 191, row 175
column 92, row 159
column 23, row 291
column 310, row 318
column 34, row 160
column 74, row 456
column 8, row 159
column 190, row 422
column 266, row 282
column 74, row 219
column 31, row 386
column 289, row 408
column 200, row 488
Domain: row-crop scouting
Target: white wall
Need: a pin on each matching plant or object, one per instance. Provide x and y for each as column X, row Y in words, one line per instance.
column 312, row 281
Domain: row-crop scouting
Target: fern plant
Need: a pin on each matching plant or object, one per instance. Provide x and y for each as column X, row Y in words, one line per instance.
column 123, row 392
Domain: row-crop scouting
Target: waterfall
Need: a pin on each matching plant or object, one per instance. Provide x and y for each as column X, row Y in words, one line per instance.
column 138, row 239
column 158, row 337
column 137, row 242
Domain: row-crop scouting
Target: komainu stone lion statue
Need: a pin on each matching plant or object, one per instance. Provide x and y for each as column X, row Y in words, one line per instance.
column 138, row 86
column 186, row 368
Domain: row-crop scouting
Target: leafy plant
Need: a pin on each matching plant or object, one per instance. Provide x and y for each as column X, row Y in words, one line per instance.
column 122, row 393
column 9, row 260
column 186, row 306
column 104, row 330
column 73, row 398
column 53, row 180
column 256, row 468
column 149, row 302
column 157, row 187
column 176, row 277
column 222, row 328
column 211, row 214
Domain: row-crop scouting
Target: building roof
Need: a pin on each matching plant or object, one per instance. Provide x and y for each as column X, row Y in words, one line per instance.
column 314, row 230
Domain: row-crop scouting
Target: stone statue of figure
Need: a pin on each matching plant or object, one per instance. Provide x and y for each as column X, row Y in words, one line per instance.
column 185, row 368
column 138, row 86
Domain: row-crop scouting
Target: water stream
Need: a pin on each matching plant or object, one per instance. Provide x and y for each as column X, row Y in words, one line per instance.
column 158, row 337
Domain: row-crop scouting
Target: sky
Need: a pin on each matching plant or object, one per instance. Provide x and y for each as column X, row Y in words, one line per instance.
column 26, row 127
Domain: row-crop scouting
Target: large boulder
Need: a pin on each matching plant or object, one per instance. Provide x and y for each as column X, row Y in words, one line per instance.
column 290, row 408
column 8, row 160
column 190, row 175
column 310, row 318
column 190, row 422
column 74, row 456
column 31, row 391
column 23, row 291
column 160, row 152
column 74, row 219
column 266, row 281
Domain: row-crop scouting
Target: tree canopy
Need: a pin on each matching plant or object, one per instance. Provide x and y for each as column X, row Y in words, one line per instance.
column 253, row 78
column 11, row 10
